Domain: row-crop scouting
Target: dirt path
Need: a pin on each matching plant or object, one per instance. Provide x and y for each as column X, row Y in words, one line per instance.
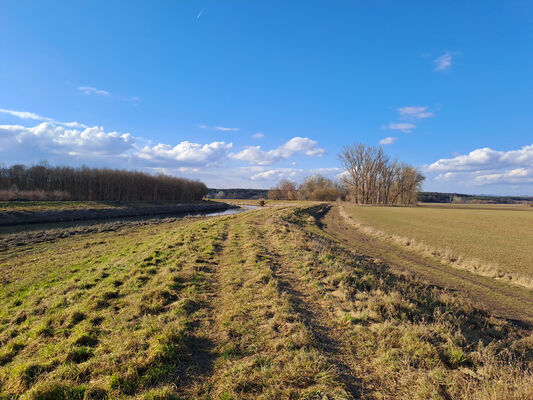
column 206, row 337
column 316, row 314
column 506, row 301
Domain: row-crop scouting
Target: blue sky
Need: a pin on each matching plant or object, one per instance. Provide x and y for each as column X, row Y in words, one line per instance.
column 243, row 93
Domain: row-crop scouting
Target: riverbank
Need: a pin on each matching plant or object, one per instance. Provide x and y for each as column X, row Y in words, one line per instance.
column 8, row 218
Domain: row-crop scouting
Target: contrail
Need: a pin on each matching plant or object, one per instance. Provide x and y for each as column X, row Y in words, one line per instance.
column 200, row 13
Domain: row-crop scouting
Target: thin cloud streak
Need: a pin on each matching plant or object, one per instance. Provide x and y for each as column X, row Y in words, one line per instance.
column 388, row 140
column 218, row 128
column 415, row 112
column 443, row 62
column 404, row 127
column 224, row 129
column 88, row 90
column 33, row 116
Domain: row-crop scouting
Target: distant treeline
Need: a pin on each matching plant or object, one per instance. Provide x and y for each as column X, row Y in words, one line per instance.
column 237, row 194
column 437, row 197
column 62, row 183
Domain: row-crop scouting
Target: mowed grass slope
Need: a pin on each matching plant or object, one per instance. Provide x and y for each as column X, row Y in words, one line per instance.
column 492, row 240
column 260, row 305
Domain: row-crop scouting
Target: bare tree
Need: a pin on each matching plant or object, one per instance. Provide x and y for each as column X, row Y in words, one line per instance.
column 284, row 190
column 372, row 178
column 319, row 188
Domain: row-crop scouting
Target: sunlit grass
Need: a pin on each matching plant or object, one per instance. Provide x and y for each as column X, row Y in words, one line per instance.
column 216, row 309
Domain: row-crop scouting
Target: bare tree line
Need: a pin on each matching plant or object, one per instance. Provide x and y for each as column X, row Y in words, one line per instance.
column 373, row 178
column 315, row 187
column 97, row 184
column 369, row 177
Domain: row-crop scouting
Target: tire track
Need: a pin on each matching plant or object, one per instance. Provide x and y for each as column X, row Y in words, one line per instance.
column 321, row 321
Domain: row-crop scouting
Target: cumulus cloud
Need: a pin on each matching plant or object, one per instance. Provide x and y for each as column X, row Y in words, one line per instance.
column 51, row 138
column 443, row 62
column 485, row 170
column 415, row 112
column 514, row 176
column 88, row 90
column 405, row 127
column 485, row 159
column 254, row 154
column 258, row 135
column 186, row 153
column 73, row 143
column 388, row 140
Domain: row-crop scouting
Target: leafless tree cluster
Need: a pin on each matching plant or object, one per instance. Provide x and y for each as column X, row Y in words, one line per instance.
column 315, row 187
column 99, row 184
column 284, row 190
column 373, row 178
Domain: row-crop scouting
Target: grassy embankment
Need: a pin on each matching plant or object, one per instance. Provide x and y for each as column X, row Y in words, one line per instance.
column 491, row 240
column 250, row 306
column 33, row 206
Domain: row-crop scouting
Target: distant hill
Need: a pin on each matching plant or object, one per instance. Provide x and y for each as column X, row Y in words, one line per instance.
column 437, row 197
column 237, row 194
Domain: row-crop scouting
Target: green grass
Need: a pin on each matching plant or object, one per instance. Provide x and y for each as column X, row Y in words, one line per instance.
column 32, row 206
column 258, row 305
column 52, row 205
column 494, row 240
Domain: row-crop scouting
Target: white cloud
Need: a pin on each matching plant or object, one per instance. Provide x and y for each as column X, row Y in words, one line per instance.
column 485, row 170
column 49, row 138
column 485, row 159
column 90, row 90
column 443, row 62
column 296, row 174
column 415, row 112
column 514, row 176
column 72, row 143
column 218, row 128
column 224, row 129
column 24, row 115
column 405, row 127
column 258, row 135
column 388, row 140
column 33, row 116
column 254, row 154
column 186, row 153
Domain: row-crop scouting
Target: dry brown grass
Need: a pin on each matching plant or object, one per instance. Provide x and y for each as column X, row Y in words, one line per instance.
column 493, row 241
